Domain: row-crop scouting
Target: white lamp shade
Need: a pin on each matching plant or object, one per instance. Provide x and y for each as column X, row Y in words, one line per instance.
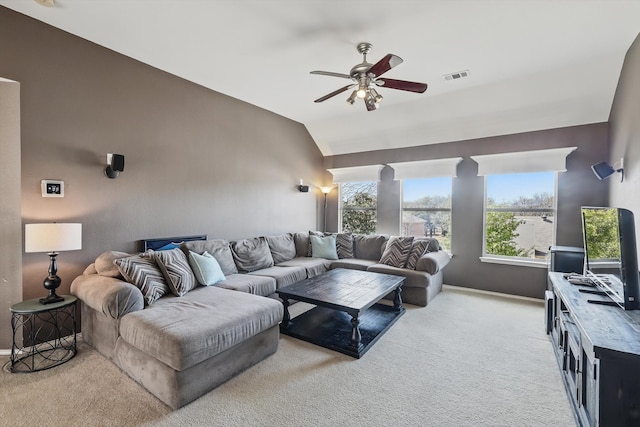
column 52, row 237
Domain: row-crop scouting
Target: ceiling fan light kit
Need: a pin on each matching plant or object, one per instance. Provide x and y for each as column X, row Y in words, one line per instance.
column 366, row 76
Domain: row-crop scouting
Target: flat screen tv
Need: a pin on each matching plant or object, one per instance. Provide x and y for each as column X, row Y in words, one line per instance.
column 611, row 258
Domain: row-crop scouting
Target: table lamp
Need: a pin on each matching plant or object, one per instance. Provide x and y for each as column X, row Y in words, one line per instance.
column 52, row 238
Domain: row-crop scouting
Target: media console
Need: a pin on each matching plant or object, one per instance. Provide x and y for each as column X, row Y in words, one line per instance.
column 598, row 352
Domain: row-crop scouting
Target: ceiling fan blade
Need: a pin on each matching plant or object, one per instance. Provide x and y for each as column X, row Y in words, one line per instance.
column 402, row 85
column 334, row 93
column 331, row 74
column 384, row 65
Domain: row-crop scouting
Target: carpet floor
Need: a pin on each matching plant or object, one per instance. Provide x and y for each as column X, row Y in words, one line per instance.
column 468, row 359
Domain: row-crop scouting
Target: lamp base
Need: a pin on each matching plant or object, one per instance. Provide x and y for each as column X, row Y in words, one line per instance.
column 51, row 298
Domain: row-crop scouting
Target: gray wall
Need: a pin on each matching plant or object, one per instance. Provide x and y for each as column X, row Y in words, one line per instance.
column 197, row 162
column 576, row 187
column 624, row 136
column 10, row 224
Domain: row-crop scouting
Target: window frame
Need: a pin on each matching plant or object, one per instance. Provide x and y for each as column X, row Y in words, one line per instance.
column 514, row 260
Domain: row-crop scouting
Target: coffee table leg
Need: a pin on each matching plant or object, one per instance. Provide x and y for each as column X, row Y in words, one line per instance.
column 286, row 318
column 397, row 300
column 356, row 337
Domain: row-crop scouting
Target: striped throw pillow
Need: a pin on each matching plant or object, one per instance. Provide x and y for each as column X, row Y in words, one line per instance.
column 396, row 252
column 142, row 272
column 176, row 270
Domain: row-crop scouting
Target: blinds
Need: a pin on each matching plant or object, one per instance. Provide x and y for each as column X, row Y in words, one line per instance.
column 551, row 160
column 426, row 168
column 356, row 173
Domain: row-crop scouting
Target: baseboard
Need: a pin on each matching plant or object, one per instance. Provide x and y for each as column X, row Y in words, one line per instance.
column 452, row 288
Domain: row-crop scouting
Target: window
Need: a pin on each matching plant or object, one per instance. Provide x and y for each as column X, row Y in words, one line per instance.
column 358, row 207
column 520, row 214
column 426, row 209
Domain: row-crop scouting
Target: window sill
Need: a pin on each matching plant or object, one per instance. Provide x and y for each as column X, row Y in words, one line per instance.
column 521, row 262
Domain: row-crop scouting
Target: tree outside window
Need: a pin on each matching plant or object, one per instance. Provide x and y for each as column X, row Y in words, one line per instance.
column 358, row 207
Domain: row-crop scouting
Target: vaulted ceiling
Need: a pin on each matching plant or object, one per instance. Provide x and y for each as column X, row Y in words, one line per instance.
column 532, row 64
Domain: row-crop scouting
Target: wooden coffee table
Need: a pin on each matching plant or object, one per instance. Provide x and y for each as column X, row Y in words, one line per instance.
column 347, row 317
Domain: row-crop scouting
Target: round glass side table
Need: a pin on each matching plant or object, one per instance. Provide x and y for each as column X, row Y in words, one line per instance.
column 44, row 335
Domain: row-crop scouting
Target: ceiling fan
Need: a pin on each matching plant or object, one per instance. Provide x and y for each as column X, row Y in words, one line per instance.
column 367, row 76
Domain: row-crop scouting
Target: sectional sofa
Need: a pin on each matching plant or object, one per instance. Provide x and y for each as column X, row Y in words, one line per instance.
column 184, row 320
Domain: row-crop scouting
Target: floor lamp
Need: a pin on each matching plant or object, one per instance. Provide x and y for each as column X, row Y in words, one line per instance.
column 325, row 191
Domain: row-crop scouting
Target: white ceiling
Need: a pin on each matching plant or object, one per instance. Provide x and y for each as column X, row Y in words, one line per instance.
column 533, row 64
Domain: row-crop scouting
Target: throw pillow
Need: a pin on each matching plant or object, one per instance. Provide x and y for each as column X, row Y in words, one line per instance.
column 417, row 250
column 175, row 268
column 323, row 247
column 282, row 247
column 344, row 245
column 142, row 272
column 205, row 268
column 252, row 254
column 313, row 233
column 397, row 251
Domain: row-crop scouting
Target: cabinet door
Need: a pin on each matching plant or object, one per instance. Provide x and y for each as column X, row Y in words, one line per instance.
column 588, row 402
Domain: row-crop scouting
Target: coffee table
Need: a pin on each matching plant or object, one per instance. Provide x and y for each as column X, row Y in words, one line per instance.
column 347, row 317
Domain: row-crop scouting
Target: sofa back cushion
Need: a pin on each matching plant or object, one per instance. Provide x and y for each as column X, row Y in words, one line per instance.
column 252, row 254
column 219, row 248
column 369, row 246
column 302, row 243
column 282, row 247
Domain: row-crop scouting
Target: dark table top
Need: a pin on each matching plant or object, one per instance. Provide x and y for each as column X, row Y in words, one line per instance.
column 343, row 288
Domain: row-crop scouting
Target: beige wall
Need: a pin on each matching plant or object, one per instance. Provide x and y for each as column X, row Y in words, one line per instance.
column 197, row 161
column 10, row 223
column 625, row 135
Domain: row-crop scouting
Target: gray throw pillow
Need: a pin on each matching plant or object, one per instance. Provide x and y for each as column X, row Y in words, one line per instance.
column 397, row 251
column 176, row 271
column 219, row 248
column 417, row 250
column 252, row 254
column 282, row 247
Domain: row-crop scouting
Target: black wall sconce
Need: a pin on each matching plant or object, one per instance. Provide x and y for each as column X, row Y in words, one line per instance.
column 115, row 165
column 303, row 188
column 603, row 170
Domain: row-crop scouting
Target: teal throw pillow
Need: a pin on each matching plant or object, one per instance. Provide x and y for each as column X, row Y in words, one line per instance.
column 206, row 268
column 323, row 247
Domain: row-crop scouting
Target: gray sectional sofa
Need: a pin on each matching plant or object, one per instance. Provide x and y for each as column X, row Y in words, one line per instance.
column 179, row 339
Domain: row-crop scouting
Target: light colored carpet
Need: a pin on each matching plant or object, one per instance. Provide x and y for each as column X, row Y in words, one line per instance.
column 467, row 359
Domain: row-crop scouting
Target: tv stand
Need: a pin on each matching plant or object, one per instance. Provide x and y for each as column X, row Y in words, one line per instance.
column 598, row 351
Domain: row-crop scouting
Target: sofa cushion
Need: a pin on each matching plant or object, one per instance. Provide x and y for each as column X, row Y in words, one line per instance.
column 257, row 285
column 252, row 254
column 314, row 266
column 344, row 245
column 105, row 265
column 418, row 248
column 282, row 247
column 205, row 268
column 284, row 276
column 182, row 332
column 396, row 251
column 369, row 246
column 323, row 247
column 176, row 271
column 301, row 241
column 219, row 248
column 353, row 263
column 143, row 272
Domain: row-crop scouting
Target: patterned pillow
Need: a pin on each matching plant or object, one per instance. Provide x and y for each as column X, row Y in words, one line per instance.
column 397, row 251
column 143, row 272
column 417, row 250
column 344, row 245
column 176, row 271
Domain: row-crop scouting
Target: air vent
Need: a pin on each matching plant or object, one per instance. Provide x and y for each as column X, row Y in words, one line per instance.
column 457, row 75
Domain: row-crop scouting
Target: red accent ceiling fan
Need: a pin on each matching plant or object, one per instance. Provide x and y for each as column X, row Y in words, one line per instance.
column 366, row 78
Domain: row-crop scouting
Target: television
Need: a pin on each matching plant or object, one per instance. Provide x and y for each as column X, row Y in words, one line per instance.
column 611, row 259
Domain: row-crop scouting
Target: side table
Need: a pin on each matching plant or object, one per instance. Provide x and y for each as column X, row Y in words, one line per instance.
column 47, row 333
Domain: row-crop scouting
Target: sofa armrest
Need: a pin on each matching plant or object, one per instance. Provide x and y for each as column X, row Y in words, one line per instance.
column 433, row 262
column 108, row 295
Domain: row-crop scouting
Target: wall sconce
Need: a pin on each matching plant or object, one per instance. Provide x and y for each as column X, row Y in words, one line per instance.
column 303, row 188
column 603, row 170
column 325, row 191
column 115, row 165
